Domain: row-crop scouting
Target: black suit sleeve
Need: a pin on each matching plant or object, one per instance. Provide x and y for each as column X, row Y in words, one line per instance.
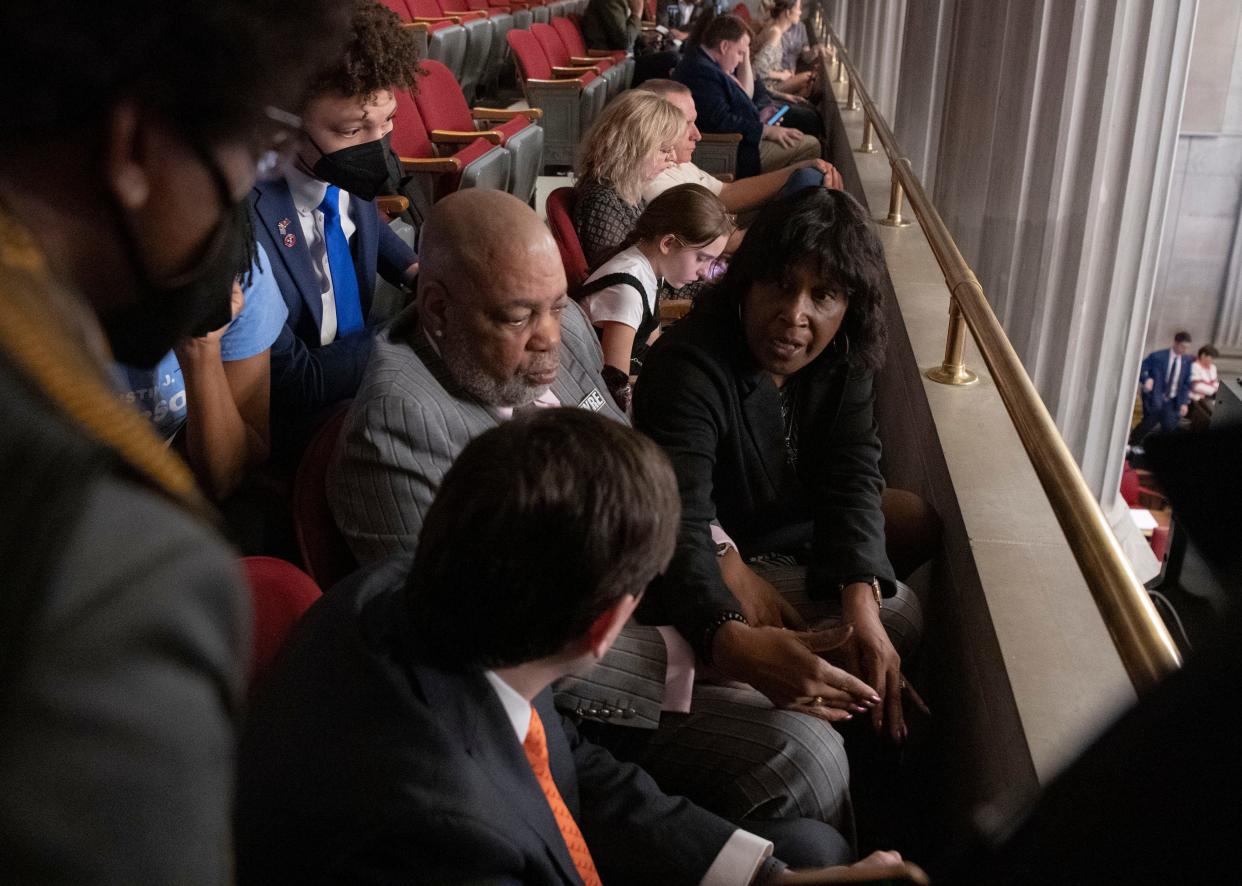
column 681, row 404
column 305, row 380
column 637, row 833
column 395, row 256
column 845, row 488
column 445, row 848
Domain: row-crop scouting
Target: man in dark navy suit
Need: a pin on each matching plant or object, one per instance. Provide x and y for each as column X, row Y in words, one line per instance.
column 406, row 733
column 317, row 221
column 1165, row 381
column 729, row 98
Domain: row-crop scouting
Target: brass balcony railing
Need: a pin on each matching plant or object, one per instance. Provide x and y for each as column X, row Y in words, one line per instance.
column 1143, row 642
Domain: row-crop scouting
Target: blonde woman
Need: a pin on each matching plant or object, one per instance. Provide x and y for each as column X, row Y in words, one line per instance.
column 630, row 143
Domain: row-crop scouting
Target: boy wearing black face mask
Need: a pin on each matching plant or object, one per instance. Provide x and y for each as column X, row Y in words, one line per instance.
column 123, row 640
column 316, row 221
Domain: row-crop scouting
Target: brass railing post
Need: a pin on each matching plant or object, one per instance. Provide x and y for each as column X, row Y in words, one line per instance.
column 867, row 146
column 1144, row 644
column 953, row 370
column 895, row 198
column 840, row 65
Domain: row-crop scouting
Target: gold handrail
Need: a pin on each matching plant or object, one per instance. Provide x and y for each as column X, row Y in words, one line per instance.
column 1143, row 642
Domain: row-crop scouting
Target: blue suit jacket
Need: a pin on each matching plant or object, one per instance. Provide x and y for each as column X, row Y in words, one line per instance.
column 307, row 376
column 1156, row 367
column 722, row 106
column 360, row 764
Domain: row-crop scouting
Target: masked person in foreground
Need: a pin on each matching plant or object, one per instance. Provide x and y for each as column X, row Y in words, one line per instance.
column 129, row 136
column 317, row 221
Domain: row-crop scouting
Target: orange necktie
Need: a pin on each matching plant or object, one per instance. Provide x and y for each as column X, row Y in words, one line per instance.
column 536, row 747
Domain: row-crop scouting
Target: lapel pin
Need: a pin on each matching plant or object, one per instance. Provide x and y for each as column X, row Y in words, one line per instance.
column 282, row 224
column 290, row 241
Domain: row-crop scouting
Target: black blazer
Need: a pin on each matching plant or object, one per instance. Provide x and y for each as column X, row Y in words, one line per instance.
column 361, row 765
column 723, row 106
column 717, row 416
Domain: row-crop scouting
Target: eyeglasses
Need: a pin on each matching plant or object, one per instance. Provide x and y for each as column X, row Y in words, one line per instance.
column 276, row 140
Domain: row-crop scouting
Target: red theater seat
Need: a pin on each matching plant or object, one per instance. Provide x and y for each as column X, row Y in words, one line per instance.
column 324, row 552
column 279, row 594
column 569, row 104
column 449, row 120
column 560, row 210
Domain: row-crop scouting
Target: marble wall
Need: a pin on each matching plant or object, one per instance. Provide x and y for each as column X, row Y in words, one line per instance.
column 1201, row 229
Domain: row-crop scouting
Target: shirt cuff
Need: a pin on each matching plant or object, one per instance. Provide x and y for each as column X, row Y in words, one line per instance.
column 738, row 861
column 719, row 536
column 679, row 670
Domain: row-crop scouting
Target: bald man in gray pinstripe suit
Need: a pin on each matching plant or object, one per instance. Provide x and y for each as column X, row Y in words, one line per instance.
column 493, row 332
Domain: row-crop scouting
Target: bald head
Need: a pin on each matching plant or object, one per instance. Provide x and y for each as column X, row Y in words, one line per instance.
column 477, row 236
column 491, row 290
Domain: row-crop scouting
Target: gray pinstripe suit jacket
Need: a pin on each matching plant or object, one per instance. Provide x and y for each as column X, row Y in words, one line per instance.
column 403, row 432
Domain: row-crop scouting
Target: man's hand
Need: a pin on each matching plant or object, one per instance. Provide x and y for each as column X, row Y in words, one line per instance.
column 785, row 138
column 1149, row 385
column 832, row 178
column 762, row 604
column 869, row 654
column 1183, row 410
column 886, row 866
column 786, row 667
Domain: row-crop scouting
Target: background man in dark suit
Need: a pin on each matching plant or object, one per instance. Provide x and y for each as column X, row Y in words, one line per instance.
column 318, row 224
column 407, row 733
column 727, row 96
column 1165, row 380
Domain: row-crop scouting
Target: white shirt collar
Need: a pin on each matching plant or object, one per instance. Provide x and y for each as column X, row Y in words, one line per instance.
column 307, row 191
column 516, row 707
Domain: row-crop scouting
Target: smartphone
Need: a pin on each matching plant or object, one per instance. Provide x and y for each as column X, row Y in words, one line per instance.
column 772, row 121
column 673, row 11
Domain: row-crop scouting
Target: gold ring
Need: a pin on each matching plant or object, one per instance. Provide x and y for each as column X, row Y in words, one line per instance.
column 904, row 684
column 819, row 700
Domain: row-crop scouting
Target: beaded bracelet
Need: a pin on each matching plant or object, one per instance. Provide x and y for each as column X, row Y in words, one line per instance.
column 709, row 633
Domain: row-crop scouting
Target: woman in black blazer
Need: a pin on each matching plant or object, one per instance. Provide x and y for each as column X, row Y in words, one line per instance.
column 762, row 397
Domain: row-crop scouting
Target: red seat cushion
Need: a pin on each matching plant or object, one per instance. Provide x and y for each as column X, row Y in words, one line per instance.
column 409, row 134
column 560, row 210
column 439, row 99
column 571, row 36
column 529, row 54
column 279, row 594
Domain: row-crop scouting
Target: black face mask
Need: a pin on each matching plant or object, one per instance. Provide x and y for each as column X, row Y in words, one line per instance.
column 366, row 170
column 194, row 302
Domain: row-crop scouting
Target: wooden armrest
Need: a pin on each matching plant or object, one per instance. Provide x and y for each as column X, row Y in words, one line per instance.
column 459, row 137
column 392, row 205
column 416, row 26
column 531, row 114
column 574, row 71
column 722, row 138
column 430, row 164
column 428, row 20
column 466, row 13
column 725, row 177
column 582, row 60
column 575, row 84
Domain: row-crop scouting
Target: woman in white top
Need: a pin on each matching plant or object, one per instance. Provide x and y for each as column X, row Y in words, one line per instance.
column 678, row 238
column 1204, row 383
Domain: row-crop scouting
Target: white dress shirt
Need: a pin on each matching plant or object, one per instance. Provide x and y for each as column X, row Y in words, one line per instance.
column 739, row 859
column 307, row 193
